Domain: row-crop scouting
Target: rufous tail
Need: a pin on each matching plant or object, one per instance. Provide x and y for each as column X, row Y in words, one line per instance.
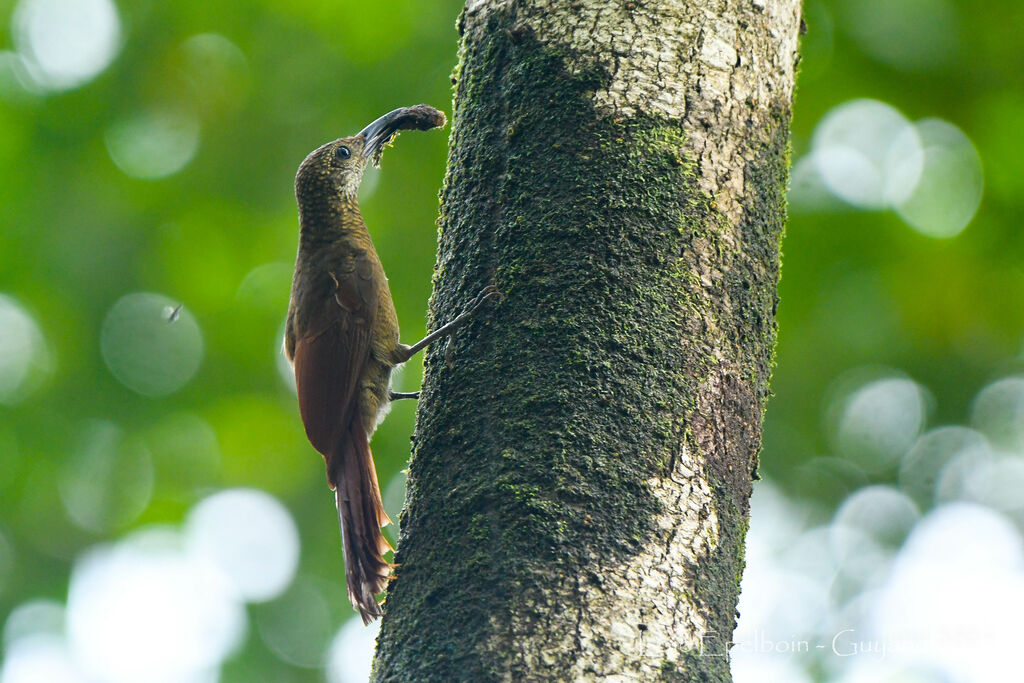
column 361, row 515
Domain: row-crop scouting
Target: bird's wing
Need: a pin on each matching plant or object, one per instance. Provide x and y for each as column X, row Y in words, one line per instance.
column 330, row 360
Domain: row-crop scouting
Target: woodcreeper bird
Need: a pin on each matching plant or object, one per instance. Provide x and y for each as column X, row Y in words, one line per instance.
column 341, row 336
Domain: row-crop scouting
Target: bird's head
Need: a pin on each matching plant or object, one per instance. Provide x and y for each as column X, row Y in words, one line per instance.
column 338, row 166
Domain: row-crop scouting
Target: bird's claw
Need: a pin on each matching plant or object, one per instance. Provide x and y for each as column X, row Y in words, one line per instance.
column 487, row 293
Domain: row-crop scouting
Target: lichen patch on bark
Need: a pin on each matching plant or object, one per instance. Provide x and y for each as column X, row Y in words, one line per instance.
column 705, row 63
column 627, row 619
column 648, row 605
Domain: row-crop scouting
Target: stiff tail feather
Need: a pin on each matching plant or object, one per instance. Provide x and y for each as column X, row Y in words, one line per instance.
column 361, row 515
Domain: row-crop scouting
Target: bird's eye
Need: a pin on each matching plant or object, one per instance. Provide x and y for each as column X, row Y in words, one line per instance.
column 342, row 153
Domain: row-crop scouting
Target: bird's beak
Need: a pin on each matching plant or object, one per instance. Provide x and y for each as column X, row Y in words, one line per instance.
column 379, row 133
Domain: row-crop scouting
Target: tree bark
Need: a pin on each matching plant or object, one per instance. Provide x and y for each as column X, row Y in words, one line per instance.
column 584, row 450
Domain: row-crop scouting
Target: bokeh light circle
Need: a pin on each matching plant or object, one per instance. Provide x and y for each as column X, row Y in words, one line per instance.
column 151, row 344
column 922, row 467
column 24, row 357
column 879, row 421
column 153, row 144
column 32, row 618
column 998, row 412
column 215, row 71
column 250, row 536
column 107, row 479
column 867, row 153
column 955, row 480
column 998, row 483
column 65, row 43
column 883, row 512
column 350, row 656
column 266, row 287
column 808, row 192
column 39, row 658
column 955, row 595
column 299, row 624
column 143, row 610
column 947, row 194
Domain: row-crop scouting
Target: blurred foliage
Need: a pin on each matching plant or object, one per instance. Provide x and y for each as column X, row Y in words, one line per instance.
column 254, row 87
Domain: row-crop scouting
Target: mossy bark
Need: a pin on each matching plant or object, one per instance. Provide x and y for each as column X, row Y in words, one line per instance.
column 584, row 450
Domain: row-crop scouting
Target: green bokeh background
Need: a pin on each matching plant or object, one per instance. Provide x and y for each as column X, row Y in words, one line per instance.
column 859, row 288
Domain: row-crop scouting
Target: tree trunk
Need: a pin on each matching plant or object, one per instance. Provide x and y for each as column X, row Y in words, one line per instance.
column 584, row 451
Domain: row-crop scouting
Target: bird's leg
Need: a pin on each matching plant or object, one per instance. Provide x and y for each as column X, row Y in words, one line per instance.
column 398, row 395
column 403, row 353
